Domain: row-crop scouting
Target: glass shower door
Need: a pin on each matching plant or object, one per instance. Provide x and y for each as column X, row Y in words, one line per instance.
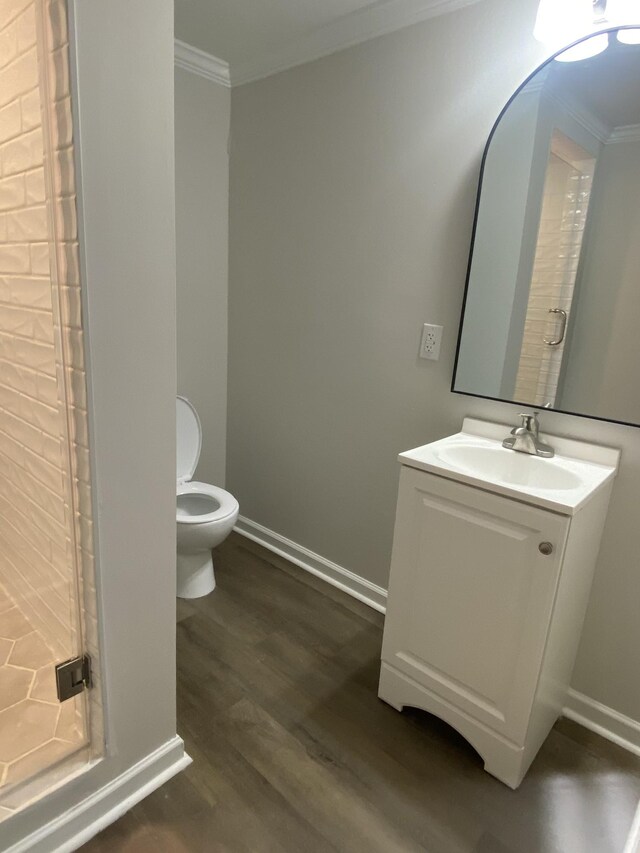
column 47, row 595
column 565, row 204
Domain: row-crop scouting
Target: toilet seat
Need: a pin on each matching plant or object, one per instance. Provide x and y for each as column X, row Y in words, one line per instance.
column 205, row 514
column 227, row 504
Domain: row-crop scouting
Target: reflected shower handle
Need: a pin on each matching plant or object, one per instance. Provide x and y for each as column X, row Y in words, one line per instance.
column 563, row 328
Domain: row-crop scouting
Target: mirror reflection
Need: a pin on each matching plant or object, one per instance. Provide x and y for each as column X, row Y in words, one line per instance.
column 552, row 310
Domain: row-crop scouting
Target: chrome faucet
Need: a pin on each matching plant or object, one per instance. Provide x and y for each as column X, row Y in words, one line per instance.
column 525, row 438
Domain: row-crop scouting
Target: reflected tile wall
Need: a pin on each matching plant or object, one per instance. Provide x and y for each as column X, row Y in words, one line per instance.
column 562, row 223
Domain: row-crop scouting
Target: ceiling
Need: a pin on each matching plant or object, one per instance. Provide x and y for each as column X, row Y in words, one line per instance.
column 607, row 84
column 260, row 37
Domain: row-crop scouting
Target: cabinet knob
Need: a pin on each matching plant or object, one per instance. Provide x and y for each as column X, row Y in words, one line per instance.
column 545, row 548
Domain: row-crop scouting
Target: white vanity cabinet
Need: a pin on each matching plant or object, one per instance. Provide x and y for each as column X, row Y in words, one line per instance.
column 487, row 595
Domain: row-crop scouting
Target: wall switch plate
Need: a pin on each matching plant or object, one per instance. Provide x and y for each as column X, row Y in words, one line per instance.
column 430, row 342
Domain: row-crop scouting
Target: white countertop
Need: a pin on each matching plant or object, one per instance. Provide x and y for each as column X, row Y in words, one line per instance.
column 562, row 484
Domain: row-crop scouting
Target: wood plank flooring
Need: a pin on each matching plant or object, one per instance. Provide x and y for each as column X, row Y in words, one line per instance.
column 294, row 753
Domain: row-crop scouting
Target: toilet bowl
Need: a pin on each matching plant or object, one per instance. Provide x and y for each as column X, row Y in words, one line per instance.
column 205, row 514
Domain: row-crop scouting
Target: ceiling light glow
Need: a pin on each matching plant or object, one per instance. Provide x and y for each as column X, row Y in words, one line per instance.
column 629, row 36
column 561, row 22
column 585, row 49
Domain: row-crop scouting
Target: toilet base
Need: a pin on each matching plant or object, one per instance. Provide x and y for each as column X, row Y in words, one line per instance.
column 195, row 575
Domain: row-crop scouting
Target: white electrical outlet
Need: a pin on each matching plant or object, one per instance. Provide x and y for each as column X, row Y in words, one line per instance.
column 430, row 342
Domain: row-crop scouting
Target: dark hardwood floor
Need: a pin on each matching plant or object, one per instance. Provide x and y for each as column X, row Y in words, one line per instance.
column 293, row 751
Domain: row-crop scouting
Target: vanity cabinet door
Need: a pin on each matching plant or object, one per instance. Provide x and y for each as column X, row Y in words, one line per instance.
column 471, row 596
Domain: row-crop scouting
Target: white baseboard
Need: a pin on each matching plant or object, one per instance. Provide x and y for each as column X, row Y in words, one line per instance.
column 76, row 826
column 604, row 721
column 356, row 586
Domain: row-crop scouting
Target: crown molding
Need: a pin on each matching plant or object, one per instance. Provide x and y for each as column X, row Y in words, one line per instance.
column 360, row 26
column 199, row 62
column 625, row 133
column 584, row 117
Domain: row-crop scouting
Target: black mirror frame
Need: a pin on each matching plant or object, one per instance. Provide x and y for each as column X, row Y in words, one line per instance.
column 520, row 404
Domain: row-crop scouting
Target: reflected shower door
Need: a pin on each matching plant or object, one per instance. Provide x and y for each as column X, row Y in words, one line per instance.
column 565, row 204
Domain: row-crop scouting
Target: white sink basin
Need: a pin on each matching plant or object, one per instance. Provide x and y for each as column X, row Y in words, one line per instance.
column 476, row 456
column 508, row 466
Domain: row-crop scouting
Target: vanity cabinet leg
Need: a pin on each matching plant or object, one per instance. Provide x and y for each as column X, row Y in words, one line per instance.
column 503, row 759
column 507, row 764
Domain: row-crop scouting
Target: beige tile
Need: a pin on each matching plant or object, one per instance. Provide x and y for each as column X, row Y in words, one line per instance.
column 44, row 685
column 22, row 153
column 24, row 727
column 13, row 625
column 6, row 603
column 8, row 45
column 10, row 9
column 12, row 193
column 5, row 650
column 36, row 761
column 31, row 115
column 19, row 77
column 26, row 28
column 34, row 186
column 28, row 225
column 4, row 812
column 14, row 685
column 31, row 651
column 15, row 258
column 40, row 258
column 70, row 725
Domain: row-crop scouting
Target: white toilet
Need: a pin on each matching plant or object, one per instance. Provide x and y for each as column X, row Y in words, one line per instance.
column 205, row 514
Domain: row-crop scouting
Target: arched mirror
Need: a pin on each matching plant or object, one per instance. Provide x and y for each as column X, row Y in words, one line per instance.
column 552, row 306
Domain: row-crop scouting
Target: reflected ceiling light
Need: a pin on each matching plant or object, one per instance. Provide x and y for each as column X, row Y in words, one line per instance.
column 621, row 12
column 629, row 36
column 561, row 22
column 585, row 49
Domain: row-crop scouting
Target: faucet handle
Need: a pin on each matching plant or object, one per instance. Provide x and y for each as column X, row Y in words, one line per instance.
column 530, row 421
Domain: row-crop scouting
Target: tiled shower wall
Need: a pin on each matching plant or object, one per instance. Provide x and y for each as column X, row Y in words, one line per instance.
column 45, row 509
column 35, row 566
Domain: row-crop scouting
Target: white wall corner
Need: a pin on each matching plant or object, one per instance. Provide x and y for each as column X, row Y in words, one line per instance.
column 199, row 62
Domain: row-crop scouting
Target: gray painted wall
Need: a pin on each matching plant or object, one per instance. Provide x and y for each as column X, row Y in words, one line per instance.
column 353, row 183
column 500, row 238
column 202, row 239
column 602, row 364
